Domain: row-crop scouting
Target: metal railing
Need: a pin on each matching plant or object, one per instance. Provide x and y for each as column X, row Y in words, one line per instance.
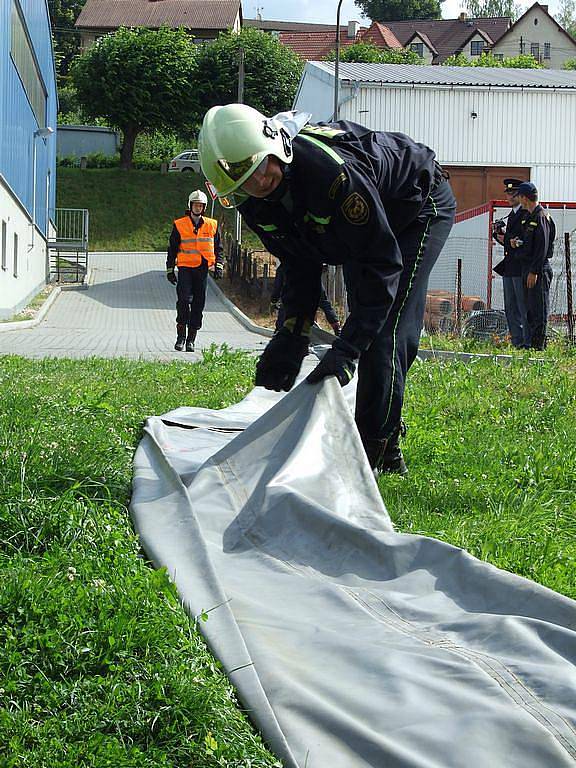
column 68, row 247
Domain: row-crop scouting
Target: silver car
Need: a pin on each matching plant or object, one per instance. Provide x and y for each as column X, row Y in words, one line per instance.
column 186, row 161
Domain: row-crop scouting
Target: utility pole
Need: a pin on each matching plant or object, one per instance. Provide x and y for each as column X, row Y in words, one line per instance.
column 337, row 63
column 237, row 220
column 241, row 76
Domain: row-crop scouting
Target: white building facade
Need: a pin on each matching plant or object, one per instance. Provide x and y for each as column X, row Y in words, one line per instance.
column 484, row 123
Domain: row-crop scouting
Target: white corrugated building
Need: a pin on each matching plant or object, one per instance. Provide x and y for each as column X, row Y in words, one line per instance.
column 484, row 123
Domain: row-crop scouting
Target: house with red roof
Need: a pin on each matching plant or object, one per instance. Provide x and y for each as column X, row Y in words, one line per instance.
column 204, row 19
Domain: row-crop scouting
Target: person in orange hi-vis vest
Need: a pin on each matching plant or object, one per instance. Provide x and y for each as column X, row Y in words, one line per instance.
column 194, row 248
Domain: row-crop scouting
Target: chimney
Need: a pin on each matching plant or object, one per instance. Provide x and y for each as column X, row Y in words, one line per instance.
column 353, row 27
column 463, row 16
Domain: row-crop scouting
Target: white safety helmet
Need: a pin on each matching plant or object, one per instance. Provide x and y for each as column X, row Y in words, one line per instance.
column 197, row 197
column 234, row 140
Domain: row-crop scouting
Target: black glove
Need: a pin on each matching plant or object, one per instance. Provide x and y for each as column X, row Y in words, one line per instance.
column 339, row 361
column 218, row 271
column 171, row 276
column 281, row 361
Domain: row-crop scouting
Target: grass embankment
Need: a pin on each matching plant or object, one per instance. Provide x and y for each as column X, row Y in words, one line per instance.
column 131, row 210
column 100, row 666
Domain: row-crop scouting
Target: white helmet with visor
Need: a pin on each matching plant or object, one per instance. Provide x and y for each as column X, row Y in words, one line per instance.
column 234, row 140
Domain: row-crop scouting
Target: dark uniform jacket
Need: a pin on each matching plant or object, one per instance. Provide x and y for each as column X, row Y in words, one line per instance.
column 345, row 197
column 174, row 246
column 538, row 233
column 511, row 264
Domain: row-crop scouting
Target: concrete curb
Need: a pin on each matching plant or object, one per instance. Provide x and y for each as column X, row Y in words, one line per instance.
column 238, row 314
column 438, row 354
column 42, row 312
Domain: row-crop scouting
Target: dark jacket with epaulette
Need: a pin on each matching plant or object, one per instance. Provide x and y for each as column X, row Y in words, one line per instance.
column 347, row 194
column 511, row 264
column 538, row 232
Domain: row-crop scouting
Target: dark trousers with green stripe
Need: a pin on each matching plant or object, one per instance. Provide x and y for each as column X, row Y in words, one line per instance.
column 382, row 369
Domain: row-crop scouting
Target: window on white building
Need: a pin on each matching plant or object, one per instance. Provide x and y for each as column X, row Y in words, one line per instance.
column 547, row 50
column 15, row 254
column 535, row 50
column 4, row 238
column 26, row 65
column 499, row 56
column 476, row 47
column 418, row 48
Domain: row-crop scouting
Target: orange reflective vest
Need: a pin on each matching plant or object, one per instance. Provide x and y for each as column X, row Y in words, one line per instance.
column 195, row 246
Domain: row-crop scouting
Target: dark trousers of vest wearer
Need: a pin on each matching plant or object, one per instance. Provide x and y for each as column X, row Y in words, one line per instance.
column 324, row 304
column 382, row 369
column 538, row 306
column 516, row 313
column 191, row 293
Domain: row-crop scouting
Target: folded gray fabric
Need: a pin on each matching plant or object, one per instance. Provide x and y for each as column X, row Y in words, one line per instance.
column 349, row 644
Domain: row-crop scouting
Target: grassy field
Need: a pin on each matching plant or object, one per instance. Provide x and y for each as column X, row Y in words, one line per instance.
column 131, row 210
column 100, row 666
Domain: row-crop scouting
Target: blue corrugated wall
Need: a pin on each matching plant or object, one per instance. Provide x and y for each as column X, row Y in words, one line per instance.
column 17, row 120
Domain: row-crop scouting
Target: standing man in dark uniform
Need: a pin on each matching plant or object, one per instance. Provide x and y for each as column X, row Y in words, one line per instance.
column 376, row 202
column 535, row 248
column 194, row 247
column 510, row 269
column 324, row 303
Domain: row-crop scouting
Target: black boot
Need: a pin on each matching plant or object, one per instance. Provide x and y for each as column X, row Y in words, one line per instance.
column 180, row 337
column 385, row 456
column 392, row 461
column 190, row 340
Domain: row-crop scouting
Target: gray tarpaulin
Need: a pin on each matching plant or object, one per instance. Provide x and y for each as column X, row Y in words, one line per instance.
column 349, row 644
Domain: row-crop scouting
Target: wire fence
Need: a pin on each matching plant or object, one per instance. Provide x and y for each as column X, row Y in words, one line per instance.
column 465, row 297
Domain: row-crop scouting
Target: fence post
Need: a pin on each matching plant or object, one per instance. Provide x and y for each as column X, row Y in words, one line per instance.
column 569, row 303
column 490, row 247
column 459, row 297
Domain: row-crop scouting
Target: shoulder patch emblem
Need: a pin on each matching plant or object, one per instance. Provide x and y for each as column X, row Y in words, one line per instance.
column 336, row 184
column 355, row 209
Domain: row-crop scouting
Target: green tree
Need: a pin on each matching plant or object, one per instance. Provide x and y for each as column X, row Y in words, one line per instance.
column 566, row 16
column 371, row 54
column 398, row 10
column 486, row 9
column 138, row 79
column 271, row 72
column 63, row 14
column 525, row 61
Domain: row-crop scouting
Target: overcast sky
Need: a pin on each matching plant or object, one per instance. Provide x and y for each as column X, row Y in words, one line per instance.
column 324, row 11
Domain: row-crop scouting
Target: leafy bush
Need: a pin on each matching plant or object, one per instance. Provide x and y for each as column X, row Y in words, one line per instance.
column 370, row 53
column 569, row 64
column 488, row 59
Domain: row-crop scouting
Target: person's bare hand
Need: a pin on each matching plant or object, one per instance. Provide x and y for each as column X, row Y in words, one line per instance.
column 531, row 280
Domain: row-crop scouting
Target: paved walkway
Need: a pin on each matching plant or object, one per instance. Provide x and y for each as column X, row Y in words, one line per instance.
column 128, row 311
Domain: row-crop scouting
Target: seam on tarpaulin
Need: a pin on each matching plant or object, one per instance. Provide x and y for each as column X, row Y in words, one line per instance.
column 515, row 688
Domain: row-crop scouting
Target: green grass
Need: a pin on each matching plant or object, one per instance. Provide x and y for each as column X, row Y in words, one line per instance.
column 132, row 210
column 558, row 346
column 492, row 455
column 100, row 667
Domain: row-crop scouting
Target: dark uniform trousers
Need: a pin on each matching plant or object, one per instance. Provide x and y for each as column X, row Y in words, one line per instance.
column 191, row 296
column 538, row 305
column 384, row 365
